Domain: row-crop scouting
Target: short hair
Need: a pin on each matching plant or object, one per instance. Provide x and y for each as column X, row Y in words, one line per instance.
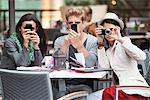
column 74, row 11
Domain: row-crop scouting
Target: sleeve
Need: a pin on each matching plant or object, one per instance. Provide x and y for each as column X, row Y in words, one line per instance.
column 58, row 44
column 103, row 60
column 91, row 59
column 132, row 50
column 20, row 58
column 37, row 58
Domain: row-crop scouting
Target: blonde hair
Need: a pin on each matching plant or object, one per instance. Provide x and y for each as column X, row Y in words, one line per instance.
column 74, row 11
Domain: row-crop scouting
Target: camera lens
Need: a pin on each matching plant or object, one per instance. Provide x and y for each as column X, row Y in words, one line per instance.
column 107, row 31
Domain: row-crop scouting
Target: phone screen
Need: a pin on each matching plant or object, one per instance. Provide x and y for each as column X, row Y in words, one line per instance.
column 28, row 26
column 74, row 27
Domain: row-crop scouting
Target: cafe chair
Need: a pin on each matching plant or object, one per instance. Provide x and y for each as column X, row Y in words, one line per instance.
column 75, row 95
column 25, row 85
column 146, row 88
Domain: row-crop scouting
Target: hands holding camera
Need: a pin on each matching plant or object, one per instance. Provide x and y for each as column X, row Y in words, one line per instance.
column 110, row 34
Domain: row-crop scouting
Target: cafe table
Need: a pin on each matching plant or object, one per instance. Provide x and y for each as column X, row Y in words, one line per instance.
column 61, row 75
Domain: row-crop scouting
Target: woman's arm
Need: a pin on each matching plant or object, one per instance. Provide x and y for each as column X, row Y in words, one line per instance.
column 132, row 50
column 37, row 58
column 20, row 58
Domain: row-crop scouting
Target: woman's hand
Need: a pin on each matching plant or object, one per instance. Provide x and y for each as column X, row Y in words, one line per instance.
column 117, row 36
column 35, row 39
column 26, row 37
column 98, row 30
column 100, row 37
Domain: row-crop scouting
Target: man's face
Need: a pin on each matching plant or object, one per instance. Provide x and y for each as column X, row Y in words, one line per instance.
column 75, row 20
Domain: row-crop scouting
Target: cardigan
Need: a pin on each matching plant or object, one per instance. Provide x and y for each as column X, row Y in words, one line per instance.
column 123, row 60
column 12, row 58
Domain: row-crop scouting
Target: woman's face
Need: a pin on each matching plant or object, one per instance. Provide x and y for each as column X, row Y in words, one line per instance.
column 23, row 26
column 112, row 27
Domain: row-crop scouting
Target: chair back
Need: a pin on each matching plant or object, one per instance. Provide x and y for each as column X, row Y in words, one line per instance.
column 79, row 95
column 25, row 85
column 136, row 88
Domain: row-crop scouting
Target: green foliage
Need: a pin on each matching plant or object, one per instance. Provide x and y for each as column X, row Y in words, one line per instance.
column 80, row 2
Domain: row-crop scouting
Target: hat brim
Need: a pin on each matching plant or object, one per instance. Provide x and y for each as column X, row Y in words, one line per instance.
column 117, row 20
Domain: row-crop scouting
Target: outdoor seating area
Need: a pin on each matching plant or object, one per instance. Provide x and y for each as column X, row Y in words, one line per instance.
column 74, row 50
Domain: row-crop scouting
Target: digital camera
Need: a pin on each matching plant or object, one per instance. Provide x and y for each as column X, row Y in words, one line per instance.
column 106, row 31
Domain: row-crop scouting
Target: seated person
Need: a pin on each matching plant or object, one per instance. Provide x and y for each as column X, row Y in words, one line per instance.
column 26, row 46
column 77, row 41
column 88, row 24
column 122, row 56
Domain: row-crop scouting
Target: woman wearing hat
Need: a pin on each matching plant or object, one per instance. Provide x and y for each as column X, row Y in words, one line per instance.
column 122, row 56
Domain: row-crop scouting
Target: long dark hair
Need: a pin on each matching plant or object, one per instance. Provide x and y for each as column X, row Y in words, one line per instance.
column 39, row 31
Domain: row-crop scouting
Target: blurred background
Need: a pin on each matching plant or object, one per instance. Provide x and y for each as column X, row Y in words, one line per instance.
column 49, row 11
column 135, row 13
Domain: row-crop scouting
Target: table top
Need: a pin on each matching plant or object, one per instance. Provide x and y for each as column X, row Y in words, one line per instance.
column 76, row 74
column 98, row 73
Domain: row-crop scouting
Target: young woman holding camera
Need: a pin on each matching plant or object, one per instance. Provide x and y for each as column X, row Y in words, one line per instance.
column 122, row 56
column 26, row 46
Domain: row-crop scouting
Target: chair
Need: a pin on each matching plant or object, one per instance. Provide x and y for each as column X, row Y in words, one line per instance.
column 30, row 85
column 145, row 65
column 147, row 88
column 75, row 95
column 25, row 85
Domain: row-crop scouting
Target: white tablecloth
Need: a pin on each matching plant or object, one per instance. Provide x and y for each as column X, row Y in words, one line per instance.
column 76, row 74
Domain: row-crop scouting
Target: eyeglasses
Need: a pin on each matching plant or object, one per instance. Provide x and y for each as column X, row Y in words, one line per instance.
column 74, row 22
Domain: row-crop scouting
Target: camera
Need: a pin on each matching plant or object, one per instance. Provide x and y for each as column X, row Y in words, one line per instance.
column 106, row 31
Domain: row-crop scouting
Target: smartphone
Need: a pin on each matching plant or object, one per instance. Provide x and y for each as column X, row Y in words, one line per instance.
column 28, row 26
column 74, row 27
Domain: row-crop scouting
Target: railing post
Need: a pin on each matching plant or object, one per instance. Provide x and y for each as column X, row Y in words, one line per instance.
column 11, row 16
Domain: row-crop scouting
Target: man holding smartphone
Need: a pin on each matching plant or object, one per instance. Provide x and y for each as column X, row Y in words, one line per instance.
column 77, row 41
